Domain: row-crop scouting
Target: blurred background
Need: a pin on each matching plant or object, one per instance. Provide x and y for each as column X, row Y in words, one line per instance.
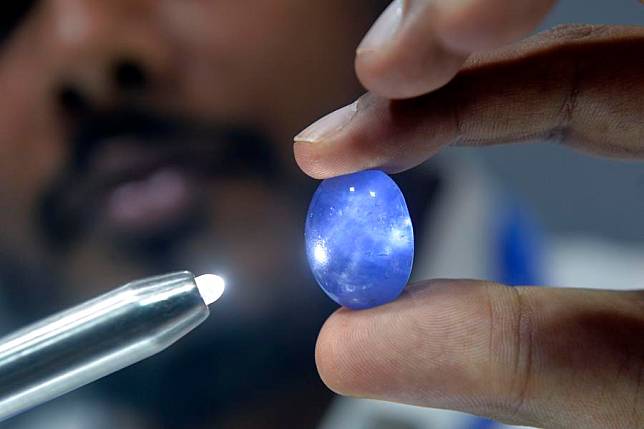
column 140, row 137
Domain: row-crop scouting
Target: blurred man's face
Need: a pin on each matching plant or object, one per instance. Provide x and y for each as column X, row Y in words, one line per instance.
column 147, row 135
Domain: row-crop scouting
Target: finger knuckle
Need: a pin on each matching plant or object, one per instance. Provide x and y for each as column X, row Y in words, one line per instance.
column 524, row 351
column 511, row 323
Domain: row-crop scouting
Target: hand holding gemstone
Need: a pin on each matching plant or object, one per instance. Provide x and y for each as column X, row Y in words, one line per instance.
column 359, row 239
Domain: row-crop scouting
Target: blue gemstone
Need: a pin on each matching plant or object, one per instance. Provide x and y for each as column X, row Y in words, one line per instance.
column 359, row 239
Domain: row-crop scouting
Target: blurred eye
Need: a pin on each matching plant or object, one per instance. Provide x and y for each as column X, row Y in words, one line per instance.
column 12, row 12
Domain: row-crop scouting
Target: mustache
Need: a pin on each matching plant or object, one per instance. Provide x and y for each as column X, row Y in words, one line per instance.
column 232, row 150
column 243, row 145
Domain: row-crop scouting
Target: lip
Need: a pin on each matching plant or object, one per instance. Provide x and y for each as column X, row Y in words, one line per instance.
column 150, row 203
column 142, row 190
column 139, row 173
column 133, row 187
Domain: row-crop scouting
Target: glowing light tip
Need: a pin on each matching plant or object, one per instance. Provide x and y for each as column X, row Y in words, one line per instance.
column 211, row 287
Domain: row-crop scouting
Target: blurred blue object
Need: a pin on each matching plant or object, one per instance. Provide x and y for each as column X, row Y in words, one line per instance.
column 519, row 247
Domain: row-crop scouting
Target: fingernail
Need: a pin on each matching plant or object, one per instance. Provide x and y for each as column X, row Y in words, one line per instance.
column 384, row 29
column 328, row 125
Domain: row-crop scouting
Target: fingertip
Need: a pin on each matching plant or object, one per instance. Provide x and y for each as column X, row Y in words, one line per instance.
column 427, row 347
column 358, row 353
column 336, row 150
column 335, row 362
column 309, row 160
column 325, row 159
column 391, row 136
column 412, row 61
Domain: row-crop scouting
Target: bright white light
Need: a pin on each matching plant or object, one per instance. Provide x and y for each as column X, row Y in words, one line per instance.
column 319, row 253
column 372, row 193
column 352, row 189
column 211, row 287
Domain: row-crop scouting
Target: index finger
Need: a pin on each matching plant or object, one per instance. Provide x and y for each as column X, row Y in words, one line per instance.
column 579, row 85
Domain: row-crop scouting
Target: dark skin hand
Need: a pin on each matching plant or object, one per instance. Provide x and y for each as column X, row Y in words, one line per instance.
column 547, row 357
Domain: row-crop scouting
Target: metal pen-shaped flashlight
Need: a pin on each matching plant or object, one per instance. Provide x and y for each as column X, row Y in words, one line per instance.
column 75, row 347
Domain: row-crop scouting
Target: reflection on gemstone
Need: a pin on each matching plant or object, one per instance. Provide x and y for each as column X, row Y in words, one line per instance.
column 359, row 239
column 319, row 253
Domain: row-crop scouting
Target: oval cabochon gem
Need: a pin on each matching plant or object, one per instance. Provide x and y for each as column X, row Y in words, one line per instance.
column 359, row 239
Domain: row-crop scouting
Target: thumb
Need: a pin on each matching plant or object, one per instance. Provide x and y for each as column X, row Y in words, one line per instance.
column 539, row 356
column 419, row 45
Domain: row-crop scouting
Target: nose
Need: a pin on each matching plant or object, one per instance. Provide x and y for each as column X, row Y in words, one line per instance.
column 103, row 51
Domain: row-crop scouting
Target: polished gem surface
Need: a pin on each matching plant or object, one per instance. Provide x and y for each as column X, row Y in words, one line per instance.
column 359, row 239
